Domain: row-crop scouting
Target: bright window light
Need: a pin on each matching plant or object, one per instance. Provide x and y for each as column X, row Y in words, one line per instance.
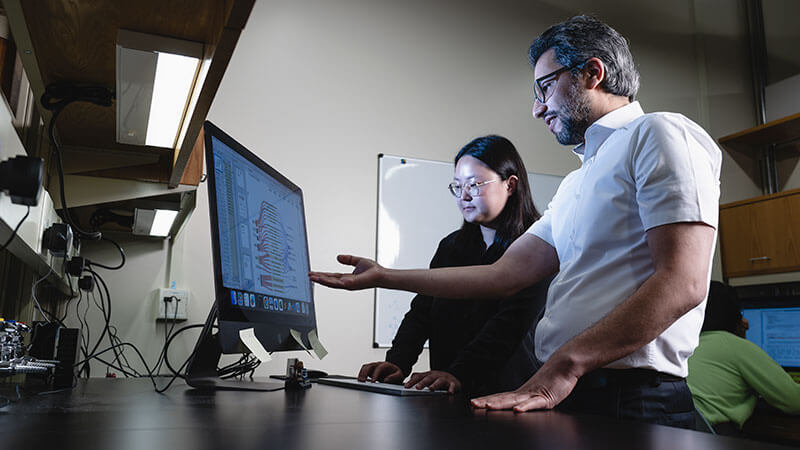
column 174, row 79
column 162, row 222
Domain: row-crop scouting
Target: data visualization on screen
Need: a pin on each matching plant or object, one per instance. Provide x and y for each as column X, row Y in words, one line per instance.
column 777, row 332
column 263, row 250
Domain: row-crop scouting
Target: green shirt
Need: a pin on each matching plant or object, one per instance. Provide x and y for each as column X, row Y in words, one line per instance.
column 728, row 373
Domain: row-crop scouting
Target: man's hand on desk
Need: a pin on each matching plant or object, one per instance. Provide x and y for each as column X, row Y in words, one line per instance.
column 366, row 274
column 547, row 388
column 434, row 379
column 382, row 371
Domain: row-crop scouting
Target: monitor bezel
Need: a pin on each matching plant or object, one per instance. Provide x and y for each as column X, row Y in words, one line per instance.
column 232, row 320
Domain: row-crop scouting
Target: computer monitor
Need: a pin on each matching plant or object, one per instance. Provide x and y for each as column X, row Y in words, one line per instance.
column 260, row 255
column 776, row 329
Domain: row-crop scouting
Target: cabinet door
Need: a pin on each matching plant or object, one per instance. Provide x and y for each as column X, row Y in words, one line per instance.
column 761, row 237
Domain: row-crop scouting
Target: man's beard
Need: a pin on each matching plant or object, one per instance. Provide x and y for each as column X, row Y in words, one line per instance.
column 574, row 116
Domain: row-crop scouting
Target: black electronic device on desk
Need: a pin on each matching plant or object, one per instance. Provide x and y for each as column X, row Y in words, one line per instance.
column 261, row 263
column 376, row 386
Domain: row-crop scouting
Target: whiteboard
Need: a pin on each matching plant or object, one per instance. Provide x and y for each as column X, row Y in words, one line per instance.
column 415, row 211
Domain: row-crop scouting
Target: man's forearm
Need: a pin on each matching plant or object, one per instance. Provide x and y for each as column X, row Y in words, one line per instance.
column 682, row 254
column 656, row 305
column 447, row 282
column 527, row 261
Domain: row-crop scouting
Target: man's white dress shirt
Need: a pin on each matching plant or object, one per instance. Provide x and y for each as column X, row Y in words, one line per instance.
column 639, row 171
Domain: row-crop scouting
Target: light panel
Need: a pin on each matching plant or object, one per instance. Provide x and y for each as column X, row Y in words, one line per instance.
column 153, row 222
column 162, row 222
column 155, row 78
column 173, row 83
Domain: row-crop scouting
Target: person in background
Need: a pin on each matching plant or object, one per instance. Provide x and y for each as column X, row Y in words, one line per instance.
column 727, row 373
column 476, row 346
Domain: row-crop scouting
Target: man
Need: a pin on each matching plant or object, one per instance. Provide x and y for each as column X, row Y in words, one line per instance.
column 631, row 234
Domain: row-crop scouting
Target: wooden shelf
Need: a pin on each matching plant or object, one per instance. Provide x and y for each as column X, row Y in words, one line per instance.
column 784, row 133
column 76, row 42
column 749, row 148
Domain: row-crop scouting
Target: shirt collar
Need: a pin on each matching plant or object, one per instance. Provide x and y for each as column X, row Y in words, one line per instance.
column 602, row 128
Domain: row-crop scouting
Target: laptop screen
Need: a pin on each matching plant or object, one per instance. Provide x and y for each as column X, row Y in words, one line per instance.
column 777, row 331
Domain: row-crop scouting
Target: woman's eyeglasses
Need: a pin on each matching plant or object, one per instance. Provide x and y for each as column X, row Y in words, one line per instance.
column 473, row 188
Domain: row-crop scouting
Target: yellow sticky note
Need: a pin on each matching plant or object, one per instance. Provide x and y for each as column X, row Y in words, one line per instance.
column 298, row 338
column 319, row 349
column 249, row 339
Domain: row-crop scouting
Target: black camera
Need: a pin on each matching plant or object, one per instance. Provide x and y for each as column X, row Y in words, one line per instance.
column 21, row 178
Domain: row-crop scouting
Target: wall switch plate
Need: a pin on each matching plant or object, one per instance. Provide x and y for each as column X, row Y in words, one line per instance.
column 175, row 307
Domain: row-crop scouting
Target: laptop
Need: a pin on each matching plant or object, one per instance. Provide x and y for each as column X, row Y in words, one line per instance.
column 381, row 388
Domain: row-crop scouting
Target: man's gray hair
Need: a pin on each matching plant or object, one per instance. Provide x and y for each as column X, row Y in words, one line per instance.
column 582, row 37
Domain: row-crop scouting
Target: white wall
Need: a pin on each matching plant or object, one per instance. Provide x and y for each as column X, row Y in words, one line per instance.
column 319, row 88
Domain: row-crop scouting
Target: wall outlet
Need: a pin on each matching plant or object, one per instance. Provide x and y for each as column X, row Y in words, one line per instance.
column 174, row 308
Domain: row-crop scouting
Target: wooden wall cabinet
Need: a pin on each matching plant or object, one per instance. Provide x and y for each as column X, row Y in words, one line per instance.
column 761, row 235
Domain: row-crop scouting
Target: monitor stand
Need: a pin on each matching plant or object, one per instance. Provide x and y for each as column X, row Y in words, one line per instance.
column 201, row 373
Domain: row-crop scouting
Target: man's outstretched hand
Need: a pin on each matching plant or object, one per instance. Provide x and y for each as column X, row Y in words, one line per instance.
column 366, row 274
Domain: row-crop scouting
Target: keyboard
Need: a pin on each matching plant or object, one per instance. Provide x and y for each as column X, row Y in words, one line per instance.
column 382, row 388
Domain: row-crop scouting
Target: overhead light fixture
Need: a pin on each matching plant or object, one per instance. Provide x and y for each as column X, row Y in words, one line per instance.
column 153, row 222
column 155, row 78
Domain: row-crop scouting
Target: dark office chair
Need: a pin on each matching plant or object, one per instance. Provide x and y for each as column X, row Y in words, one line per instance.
column 701, row 424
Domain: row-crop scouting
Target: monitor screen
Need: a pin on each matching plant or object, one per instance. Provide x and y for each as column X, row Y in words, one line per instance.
column 777, row 331
column 259, row 244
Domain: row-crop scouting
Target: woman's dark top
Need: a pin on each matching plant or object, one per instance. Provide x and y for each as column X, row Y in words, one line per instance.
column 487, row 344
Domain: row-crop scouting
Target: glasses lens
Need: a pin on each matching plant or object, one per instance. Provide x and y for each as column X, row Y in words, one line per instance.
column 455, row 189
column 537, row 92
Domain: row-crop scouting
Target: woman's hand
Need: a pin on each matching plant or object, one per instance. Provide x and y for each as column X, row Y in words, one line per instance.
column 434, row 379
column 382, row 371
column 366, row 274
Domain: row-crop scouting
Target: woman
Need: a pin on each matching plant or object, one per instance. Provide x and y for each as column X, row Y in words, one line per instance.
column 476, row 346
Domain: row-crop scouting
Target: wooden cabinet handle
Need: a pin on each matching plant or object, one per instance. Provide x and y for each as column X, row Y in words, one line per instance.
column 760, row 258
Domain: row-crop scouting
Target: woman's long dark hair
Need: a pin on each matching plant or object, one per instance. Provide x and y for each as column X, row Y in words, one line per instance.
column 723, row 309
column 500, row 155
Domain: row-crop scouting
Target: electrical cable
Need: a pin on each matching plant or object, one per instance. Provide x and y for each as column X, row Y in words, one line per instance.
column 245, row 365
column 72, row 296
column 118, row 367
column 87, row 368
column 14, row 233
column 121, row 253
column 69, row 93
column 169, row 341
column 81, row 337
column 124, row 344
column 106, row 313
column 36, row 300
column 60, row 166
column 122, row 352
column 167, row 331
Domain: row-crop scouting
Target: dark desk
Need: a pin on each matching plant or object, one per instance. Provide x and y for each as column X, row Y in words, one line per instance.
column 127, row 414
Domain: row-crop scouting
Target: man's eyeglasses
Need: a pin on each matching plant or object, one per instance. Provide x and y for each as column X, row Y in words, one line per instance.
column 473, row 188
column 543, row 86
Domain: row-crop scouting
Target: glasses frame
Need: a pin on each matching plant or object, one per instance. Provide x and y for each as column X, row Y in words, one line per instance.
column 470, row 187
column 554, row 74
